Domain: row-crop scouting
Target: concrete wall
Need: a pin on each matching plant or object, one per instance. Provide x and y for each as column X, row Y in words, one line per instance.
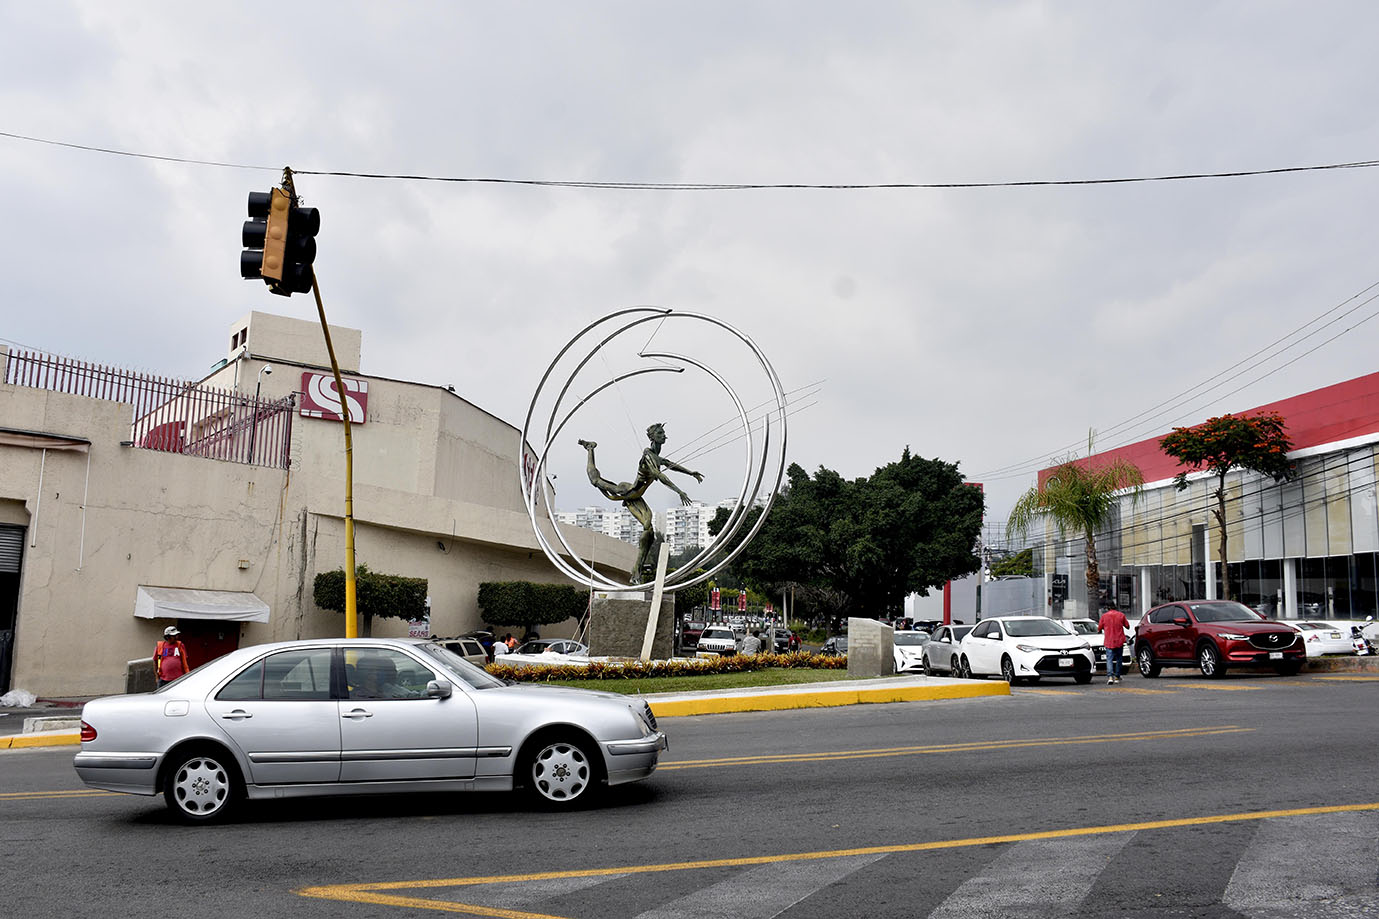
column 435, row 495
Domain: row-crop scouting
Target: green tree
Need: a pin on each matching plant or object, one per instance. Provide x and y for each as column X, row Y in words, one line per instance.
column 385, row 595
column 1218, row 445
column 863, row 545
column 1021, row 563
column 525, row 605
column 1078, row 496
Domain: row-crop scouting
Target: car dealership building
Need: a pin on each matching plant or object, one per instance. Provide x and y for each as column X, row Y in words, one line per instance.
column 1306, row 547
column 130, row 502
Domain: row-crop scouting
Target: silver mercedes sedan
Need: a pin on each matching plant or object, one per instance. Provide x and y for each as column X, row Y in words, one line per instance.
column 359, row 716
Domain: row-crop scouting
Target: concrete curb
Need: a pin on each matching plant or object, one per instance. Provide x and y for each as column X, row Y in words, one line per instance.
column 40, row 739
column 819, row 697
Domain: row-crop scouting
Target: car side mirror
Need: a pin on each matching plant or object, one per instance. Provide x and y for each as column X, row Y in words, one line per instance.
column 439, row 689
column 1180, row 620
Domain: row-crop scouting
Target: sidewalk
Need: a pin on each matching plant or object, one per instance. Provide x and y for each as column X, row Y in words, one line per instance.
column 52, row 723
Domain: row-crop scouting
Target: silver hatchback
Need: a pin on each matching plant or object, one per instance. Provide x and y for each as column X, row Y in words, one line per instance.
column 359, row 716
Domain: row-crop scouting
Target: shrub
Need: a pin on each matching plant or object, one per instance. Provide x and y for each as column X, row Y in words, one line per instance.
column 637, row 670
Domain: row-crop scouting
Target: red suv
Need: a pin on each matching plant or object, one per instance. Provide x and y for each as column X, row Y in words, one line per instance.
column 1213, row 635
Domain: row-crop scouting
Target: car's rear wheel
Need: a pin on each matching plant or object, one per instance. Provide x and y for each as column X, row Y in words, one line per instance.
column 1008, row 671
column 202, row 785
column 1144, row 658
column 561, row 770
column 1209, row 661
column 924, row 665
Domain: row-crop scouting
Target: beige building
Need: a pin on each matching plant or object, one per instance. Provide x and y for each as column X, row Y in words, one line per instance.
column 130, row 503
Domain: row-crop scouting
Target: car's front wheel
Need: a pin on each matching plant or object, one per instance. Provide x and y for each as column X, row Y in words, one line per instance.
column 966, row 669
column 1008, row 671
column 955, row 667
column 924, row 666
column 561, row 771
column 1209, row 661
column 202, row 785
column 1144, row 658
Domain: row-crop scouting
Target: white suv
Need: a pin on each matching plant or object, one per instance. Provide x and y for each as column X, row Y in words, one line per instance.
column 716, row 641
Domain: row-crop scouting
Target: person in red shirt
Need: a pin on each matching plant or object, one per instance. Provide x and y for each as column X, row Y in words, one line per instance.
column 1113, row 625
column 170, row 657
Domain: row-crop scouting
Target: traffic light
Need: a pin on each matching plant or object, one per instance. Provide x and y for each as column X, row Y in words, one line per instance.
column 280, row 243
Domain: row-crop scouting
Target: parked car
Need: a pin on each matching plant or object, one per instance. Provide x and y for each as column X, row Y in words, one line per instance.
column 468, row 648
column 1213, row 635
column 341, row 716
column 1087, row 628
column 717, row 641
column 689, row 634
column 1321, row 638
column 1025, row 647
column 835, row 646
column 909, row 651
column 553, row 646
column 941, row 654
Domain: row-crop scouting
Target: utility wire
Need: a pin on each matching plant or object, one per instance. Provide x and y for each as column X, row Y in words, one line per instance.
column 1152, row 414
column 697, row 186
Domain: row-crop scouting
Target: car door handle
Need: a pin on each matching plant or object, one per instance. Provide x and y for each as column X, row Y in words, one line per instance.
column 238, row 714
column 357, row 714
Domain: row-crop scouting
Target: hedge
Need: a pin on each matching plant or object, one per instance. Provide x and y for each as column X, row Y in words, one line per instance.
column 637, row 670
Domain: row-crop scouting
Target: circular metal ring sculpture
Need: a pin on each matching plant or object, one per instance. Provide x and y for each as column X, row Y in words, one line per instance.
column 756, row 455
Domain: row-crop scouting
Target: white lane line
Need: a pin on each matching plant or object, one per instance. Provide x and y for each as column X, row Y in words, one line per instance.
column 763, row 892
column 1319, row 867
column 1040, row 878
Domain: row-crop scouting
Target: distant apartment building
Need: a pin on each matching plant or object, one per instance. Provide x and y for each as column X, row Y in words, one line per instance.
column 683, row 526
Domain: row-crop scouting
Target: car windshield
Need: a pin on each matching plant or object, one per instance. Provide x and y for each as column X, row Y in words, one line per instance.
column 911, row 638
column 1223, row 611
column 1082, row 627
column 470, row 674
column 535, row 647
column 718, row 633
column 1033, row 628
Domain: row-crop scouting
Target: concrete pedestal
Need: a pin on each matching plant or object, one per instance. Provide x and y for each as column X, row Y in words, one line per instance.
column 617, row 625
column 871, row 649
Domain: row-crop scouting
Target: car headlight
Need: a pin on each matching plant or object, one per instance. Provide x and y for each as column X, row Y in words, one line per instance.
column 1028, row 649
column 1233, row 636
column 1082, row 647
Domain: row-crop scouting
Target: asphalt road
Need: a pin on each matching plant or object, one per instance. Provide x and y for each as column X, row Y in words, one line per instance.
column 1252, row 796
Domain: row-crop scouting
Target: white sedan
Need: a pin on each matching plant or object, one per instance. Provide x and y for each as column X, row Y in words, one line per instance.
column 909, row 651
column 1025, row 647
column 1324, row 637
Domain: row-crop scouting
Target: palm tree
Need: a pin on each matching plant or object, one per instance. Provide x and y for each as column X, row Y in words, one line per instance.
column 1078, row 497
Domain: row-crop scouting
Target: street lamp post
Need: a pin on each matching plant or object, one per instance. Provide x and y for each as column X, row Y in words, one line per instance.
column 254, row 430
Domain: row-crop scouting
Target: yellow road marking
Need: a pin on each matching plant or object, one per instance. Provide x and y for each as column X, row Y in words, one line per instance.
column 1367, row 678
column 79, row 793
column 374, row 892
column 964, row 747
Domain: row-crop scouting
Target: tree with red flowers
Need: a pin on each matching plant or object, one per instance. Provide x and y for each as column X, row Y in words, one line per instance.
column 1218, row 445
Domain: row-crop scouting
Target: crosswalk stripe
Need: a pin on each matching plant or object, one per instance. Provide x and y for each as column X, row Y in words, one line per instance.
column 1034, row 879
column 762, row 892
column 1318, row 867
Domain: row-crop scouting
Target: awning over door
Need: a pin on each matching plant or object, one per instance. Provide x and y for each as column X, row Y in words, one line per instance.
column 188, row 603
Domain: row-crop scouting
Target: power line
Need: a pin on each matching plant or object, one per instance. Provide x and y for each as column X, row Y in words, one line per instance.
column 1152, row 414
column 700, row 186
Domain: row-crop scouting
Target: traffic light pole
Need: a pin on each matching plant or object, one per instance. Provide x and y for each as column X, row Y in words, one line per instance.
column 351, row 607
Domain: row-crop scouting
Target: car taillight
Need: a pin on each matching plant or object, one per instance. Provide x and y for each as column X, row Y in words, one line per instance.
column 87, row 732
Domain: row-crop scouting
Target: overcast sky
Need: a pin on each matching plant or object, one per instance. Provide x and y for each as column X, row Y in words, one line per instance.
column 991, row 327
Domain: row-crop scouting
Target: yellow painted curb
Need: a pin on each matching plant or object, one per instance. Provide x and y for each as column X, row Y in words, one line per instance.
column 16, row 741
column 672, row 708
